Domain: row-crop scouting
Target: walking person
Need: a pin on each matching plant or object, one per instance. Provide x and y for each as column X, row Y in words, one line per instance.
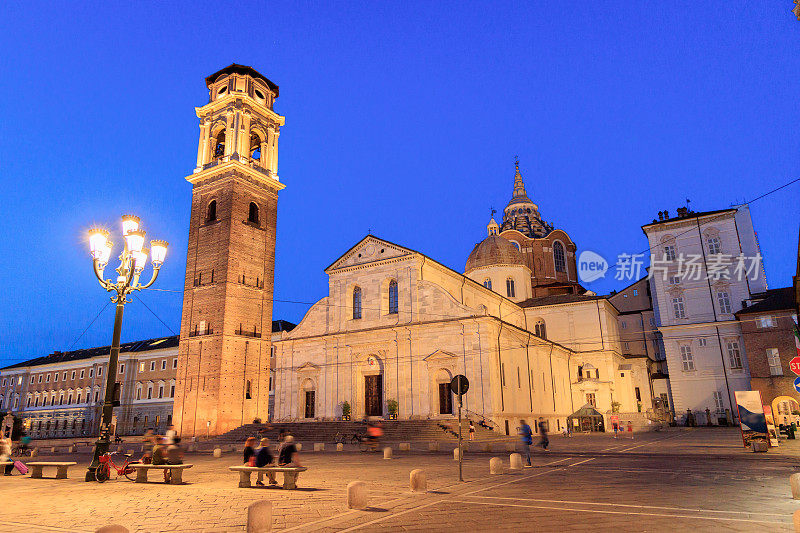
column 5, row 454
column 471, row 430
column 544, row 441
column 526, row 438
column 264, row 458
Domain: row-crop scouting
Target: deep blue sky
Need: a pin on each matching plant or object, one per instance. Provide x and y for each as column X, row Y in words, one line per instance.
column 402, row 117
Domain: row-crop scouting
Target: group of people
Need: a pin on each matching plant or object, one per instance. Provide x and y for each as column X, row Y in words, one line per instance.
column 166, row 449
column 526, row 436
column 262, row 456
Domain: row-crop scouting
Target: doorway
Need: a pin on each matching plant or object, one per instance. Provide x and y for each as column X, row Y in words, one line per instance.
column 373, row 395
column 310, row 401
column 445, row 399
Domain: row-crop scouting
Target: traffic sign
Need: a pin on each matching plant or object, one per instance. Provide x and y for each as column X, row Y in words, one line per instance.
column 459, row 384
column 794, row 365
column 797, row 384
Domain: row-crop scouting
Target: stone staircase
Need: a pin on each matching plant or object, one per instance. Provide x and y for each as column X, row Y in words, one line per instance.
column 327, row 431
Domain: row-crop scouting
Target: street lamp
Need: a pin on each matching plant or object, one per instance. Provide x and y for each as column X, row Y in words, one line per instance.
column 132, row 262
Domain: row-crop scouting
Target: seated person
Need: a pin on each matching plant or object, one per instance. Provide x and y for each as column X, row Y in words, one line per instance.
column 289, row 455
column 174, row 452
column 249, row 451
column 160, row 458
column 264, row 458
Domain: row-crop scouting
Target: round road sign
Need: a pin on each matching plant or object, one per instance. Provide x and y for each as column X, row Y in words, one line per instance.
column 459, row 384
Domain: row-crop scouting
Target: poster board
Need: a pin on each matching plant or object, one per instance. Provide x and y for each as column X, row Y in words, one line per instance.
column 751, row 417
column 773, row 433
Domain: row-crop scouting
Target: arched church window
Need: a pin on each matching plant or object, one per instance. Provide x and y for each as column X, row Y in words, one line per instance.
column 487, row 283
column 540, row 330
column 559, row 257
column 393, row 297
column 212, row 211
column 253, row 214
column 356, row 303
column 219, row 144
column 255, row 147
column 510, row 288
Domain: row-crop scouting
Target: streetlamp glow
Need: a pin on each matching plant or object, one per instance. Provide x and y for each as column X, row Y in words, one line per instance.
column 133, row 261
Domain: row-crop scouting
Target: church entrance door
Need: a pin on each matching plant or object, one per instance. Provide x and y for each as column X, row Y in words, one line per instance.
column 310, row 399
column 373, row 395
column 445, row 399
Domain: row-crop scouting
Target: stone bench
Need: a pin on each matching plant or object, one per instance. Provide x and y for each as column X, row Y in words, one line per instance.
column 290, row 474
column 61, row 468
column 176, row 472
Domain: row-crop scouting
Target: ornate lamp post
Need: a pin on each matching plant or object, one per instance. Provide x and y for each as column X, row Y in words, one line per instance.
column 132, row 262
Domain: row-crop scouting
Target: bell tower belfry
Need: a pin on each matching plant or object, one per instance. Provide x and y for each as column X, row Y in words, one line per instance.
column 222, row 377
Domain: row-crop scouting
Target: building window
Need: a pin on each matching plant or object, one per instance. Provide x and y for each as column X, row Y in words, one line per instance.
column 392, row 297
column 539, row 329
column 701, row 342
column 141, row 366
column 212, row 211
column 356, row 303
column 636, row 292
column 724, row 302
column 55, row 377
column 149, row 392
column 734, row 355
column 590, row 399
column 713, row 245
column 31, row 379
column 73, row 375
column 487, row 283
column 559, row 258
column 91, row 371
column 677, row 307
column 774, row 361
column 718, row 402
column 669, row 252
column 252, row 216
column 623, row 324
column 47, row 378
column 139, row 393
column 164, row 364
column 219, row 143
column 161, row 391
column 172, row 391
column 175, row 363
column 674, row 280
column 766, row 322
column 152, row 366
column 626, row 346
column 686, row 358
column 121, row 369
column 510, row 288
column 247, row 395
column 82, row 371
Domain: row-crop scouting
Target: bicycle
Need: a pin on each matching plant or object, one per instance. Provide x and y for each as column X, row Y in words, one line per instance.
column 103, row 470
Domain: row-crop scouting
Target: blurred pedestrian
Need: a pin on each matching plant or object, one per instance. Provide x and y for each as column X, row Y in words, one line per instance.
column 265, row 458
column 526, row 439
column 249, row 452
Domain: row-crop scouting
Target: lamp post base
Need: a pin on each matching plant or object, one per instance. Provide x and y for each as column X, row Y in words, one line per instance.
column 101, row 447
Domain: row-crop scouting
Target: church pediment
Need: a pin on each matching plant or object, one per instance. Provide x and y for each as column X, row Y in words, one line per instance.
column 440, row 355
column 308, row 368
column 370, row 249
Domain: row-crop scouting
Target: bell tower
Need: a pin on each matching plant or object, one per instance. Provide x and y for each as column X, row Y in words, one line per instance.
column 226, row 324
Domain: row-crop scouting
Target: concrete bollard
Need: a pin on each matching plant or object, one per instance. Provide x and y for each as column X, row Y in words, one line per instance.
column 339, row 447
column 319, row 446
column 419, row 482
column 794, row 482
column 387, row 452
column 487, row 447
column 357, row 495
column 455, row 454
column 433, row 446
column 217, row 453
column 259, row 517
column 404, row 446
column 515, row 461
column 796, row 520
column 112, row 528
column 495, row 465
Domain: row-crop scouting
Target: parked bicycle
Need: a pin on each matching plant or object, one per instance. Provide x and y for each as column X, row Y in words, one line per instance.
column 106, row 466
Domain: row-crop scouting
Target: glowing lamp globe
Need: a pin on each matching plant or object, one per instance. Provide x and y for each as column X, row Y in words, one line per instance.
column 129, row 223
column 135, row 240
column 158, row 251
column 97, row 242
column 140, row 259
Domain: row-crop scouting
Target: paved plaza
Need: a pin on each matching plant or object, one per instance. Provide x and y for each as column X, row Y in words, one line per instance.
column 697, row 479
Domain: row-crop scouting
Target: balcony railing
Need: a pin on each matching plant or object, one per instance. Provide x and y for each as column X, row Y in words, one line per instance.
column 245, row 333
column 200, row 332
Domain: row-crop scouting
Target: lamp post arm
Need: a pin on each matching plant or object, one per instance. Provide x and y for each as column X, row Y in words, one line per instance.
column 99, row 275
column 152, row 279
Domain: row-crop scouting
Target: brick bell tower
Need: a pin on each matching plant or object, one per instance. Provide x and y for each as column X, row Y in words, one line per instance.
column 224, row 353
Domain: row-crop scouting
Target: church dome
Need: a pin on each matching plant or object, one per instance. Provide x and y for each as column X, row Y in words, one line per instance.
column 494, row 250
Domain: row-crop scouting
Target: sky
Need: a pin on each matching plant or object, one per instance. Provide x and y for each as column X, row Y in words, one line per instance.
column 402, row 118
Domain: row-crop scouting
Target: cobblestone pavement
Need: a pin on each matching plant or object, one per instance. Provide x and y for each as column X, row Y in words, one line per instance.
column 700, row 479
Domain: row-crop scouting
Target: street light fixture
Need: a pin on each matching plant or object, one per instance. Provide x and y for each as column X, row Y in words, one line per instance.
column 133, row 259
